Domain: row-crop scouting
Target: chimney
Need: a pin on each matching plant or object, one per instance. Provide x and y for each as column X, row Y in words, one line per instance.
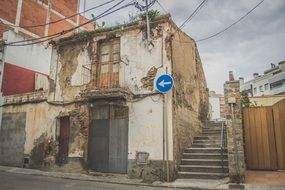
column 231, row 76
column 255, row 75
column 241, row 80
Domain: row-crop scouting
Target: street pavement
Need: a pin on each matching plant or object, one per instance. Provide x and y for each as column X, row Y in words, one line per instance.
column 14, row 181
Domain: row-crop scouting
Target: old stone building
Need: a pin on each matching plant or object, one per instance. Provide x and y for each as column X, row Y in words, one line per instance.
column 101, row 111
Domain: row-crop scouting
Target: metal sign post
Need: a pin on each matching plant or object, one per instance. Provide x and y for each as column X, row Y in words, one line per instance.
column 164, row 84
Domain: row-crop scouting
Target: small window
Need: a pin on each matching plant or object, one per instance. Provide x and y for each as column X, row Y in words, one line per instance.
column 255, row 90
column 261, row 88
column 266, row 86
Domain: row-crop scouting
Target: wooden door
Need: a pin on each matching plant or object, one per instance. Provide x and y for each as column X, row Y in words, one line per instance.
column 259, row 138
column 279, row 128
column 108, row 139
column 63, row 140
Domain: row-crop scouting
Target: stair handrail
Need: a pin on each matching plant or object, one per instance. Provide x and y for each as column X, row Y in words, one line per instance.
column 222, row 145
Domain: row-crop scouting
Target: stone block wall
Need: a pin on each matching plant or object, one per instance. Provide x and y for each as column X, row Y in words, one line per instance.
column 234, row 132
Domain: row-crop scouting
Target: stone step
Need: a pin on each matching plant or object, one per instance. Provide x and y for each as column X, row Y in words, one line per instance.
column 203, row 156
column 208, row 141
column 203, row 145
column 200, row 175
column 204, row 150
column 214, row 125
column 208, row 162
column 200, row 168
column 211, row 132
column 201, row 138
column 207, row 137
column 212, row 128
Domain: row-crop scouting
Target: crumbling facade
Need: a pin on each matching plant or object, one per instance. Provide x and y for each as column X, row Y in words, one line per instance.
column 102, row 112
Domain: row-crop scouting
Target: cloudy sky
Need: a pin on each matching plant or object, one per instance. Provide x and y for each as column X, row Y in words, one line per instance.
column 246, row 48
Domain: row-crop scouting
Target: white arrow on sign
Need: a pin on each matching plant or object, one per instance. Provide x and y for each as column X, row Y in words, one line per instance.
column 163, row 83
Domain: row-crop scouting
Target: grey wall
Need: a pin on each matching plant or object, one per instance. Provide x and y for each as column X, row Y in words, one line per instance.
column 12, row 139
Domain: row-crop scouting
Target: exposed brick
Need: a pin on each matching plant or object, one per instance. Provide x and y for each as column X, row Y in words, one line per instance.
column 3, row 28
column 8, row 9
column 58, row 27
column 33, row 14
column 65, row 7
column 88, row 26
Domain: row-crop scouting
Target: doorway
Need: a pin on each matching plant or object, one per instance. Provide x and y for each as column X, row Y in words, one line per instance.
column 108, row 139
column 63, row 147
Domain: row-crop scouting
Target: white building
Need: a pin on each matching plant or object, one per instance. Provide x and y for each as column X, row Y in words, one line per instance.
column 272, row 82
column 216, row 102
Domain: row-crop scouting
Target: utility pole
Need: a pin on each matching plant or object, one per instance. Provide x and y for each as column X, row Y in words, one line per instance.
column 147, row 22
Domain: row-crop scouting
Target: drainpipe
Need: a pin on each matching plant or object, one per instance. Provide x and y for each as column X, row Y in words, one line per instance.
column 163, row 137
column 236, row 157
column 165, row 109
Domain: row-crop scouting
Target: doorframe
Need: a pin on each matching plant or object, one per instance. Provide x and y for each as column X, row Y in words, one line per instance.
column 58, row 127
column 93, row 104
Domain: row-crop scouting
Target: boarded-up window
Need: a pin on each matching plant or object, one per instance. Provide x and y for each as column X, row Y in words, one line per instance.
column 109, row 64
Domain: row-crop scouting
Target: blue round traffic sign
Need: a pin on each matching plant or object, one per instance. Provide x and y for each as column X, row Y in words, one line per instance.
column 164, row 83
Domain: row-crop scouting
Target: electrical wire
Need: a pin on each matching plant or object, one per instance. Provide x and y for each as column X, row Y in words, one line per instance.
column 241, row 18
column 225, row 29
column 165, row 11
column 144, row 7
column 49, row 37
column 193, row 14
column 62, row 19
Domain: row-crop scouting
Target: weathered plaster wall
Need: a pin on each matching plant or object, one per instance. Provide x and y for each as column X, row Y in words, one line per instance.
column 146, row 127
column 42, row 131
column 190, row 100
column 66, row 70
column 139, row 66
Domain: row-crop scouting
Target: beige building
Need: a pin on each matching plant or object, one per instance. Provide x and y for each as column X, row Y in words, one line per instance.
column 102, row 112
column 265, row 100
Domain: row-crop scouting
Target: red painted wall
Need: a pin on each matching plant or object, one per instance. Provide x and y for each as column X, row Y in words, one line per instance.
column 17, row 80
column 34, row 13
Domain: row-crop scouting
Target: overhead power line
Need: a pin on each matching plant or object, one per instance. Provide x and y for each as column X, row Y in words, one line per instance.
column 193, row 14
column 52, row 36
column 165, row 11
column 59, row 20
column 241, row 18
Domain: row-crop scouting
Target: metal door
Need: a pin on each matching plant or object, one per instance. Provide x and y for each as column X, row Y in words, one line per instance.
column 118, row 144
column 108, row 139
column 63, row 140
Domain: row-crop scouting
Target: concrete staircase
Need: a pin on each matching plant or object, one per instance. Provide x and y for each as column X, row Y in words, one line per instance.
column 205, row 159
